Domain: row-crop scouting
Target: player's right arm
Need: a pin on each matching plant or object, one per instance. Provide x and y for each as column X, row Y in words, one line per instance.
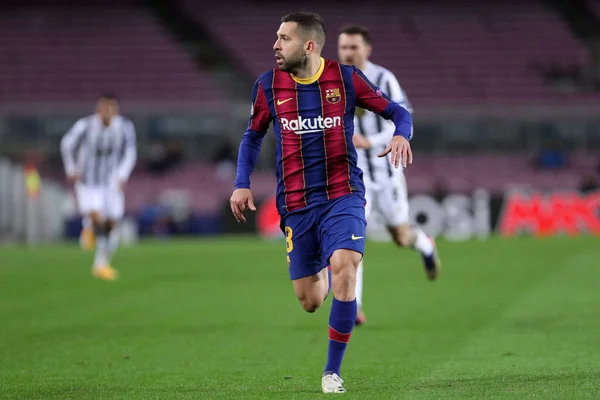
column 68, row 144
column 260, row 118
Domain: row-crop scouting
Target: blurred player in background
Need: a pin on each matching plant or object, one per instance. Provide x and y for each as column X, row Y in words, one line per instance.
column 320, row 190
column 386, row 190
column 99, row 153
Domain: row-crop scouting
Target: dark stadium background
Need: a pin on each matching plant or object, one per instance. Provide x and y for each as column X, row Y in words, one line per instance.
column 506, row 94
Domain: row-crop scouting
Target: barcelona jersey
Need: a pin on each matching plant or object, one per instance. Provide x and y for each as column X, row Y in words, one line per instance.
column 313, row 125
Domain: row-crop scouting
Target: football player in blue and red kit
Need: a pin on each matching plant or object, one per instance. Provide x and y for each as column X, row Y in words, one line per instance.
column 320, row 191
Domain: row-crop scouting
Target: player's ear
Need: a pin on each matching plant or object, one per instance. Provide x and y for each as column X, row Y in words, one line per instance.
column 311, row 46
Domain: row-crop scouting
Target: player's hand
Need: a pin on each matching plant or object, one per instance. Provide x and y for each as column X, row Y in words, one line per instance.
column 241, row 200
column 400, row 149
column 360, row 142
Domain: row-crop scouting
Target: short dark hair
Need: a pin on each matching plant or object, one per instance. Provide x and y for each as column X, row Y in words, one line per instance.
column 357, row 30
column 108, row 96
column 312, row 24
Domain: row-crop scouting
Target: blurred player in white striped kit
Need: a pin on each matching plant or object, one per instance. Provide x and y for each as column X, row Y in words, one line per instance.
column 99, row 153
column 386, row 191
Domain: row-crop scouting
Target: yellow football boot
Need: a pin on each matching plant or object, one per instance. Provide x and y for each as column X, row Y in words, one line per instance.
column 105, row 272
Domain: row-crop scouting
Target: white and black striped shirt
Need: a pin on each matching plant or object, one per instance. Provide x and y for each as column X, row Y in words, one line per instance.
column 100, row 154
column 378, row 130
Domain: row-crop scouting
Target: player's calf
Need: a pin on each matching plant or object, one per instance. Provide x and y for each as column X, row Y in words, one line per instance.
column 87, row 238
column 342, row 317
column 95, row 227
column 404, row 235
column 107, row 242
column 411, row 236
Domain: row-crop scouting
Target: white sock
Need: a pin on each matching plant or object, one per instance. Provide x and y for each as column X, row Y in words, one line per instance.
column 359, row 285
column 113, row 243
column 423, row 244
column 101, row 259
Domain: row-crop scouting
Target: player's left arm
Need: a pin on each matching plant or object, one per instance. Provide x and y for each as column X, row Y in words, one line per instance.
column 374, row 99
column 130, row 157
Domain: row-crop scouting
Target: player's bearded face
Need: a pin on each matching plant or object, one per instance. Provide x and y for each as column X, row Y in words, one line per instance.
column 290, row 48
column 293, row 62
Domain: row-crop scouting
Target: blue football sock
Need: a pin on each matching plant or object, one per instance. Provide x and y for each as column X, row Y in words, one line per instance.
column 341, row 323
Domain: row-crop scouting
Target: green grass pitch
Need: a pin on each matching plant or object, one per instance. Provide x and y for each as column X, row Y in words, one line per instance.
column 217, row 319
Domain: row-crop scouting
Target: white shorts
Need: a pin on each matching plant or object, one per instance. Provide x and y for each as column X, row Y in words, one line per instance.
column 389, row 200
column 109, row 202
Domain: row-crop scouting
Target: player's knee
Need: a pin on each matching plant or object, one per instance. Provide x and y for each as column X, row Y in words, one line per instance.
column 345, row 262
column 311, row 302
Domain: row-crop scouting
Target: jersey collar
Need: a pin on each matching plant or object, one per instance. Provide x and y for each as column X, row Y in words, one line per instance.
column 312, row 79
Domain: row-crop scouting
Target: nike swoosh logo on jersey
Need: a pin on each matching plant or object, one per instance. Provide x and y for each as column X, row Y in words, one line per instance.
column 356, row 237
column 280, row 102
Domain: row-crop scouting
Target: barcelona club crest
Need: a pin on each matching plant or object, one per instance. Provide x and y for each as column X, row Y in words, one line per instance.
column 333, row 96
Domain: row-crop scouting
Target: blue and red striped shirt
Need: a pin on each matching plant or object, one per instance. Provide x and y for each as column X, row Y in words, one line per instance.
column 313, row 121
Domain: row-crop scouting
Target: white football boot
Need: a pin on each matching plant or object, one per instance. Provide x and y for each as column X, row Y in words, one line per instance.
column 332, row 383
